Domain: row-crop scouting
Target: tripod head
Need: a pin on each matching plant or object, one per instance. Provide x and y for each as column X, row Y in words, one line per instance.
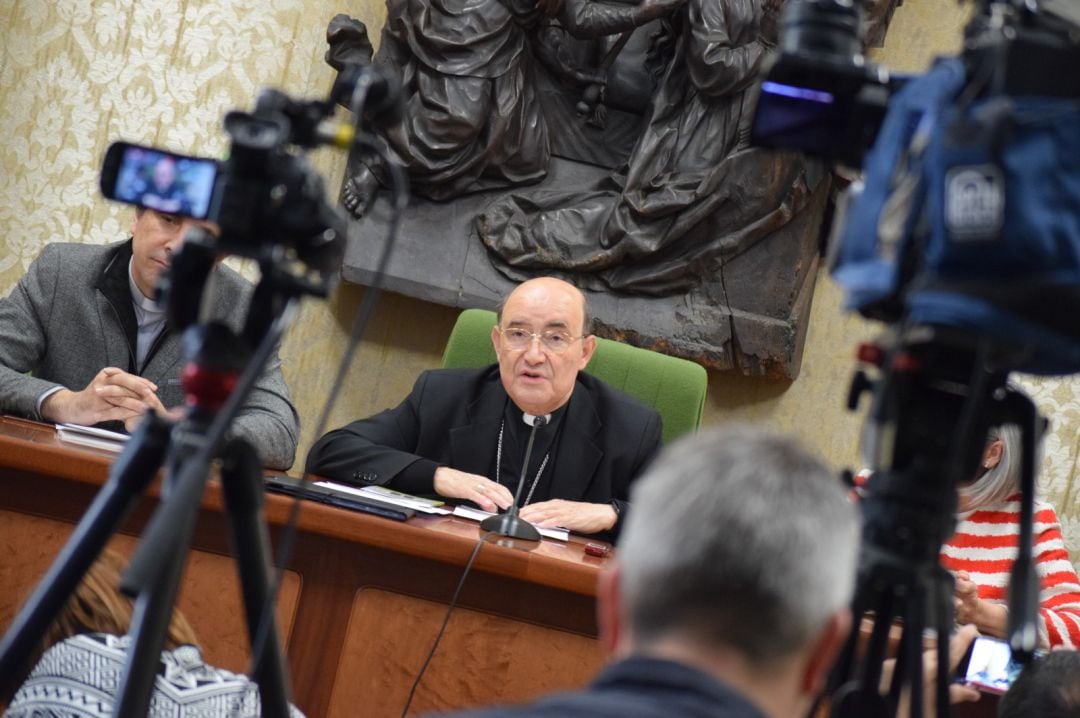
column 266, row 200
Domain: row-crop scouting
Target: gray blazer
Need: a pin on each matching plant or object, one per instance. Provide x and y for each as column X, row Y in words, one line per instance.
column 71, row 315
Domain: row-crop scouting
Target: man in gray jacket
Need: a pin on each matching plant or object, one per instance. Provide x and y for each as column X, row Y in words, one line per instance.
column 82, row 341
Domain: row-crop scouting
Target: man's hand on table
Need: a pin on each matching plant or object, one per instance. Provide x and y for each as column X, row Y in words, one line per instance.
column 482, row 491
column 112, row 395
column 578, row 516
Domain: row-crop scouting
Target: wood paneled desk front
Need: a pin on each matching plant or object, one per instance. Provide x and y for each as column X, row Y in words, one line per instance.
column 362, row 599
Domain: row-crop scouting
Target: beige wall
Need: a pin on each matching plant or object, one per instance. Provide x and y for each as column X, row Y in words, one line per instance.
column 76, row 75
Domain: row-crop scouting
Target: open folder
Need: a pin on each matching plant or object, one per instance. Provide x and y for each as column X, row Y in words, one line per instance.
column 324, row 494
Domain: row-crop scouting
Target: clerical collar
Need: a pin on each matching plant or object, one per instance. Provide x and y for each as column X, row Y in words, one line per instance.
column 142, row 301
column 149, row 319
column 527, row 418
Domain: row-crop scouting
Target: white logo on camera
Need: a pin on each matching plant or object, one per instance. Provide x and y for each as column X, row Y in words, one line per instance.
column 974, row 202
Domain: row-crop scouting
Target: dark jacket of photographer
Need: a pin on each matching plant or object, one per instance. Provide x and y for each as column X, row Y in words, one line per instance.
column 71, row 315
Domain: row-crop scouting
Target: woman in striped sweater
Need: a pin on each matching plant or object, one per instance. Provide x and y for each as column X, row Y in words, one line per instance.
column 981, row 552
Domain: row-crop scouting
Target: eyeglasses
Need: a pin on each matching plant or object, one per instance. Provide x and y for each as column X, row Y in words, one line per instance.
column 556, row 341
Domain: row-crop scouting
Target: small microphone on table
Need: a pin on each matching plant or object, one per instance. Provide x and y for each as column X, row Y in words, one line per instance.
column 509, row 524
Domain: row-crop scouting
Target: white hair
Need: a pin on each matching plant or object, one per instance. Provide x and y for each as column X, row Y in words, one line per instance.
column 1003, row 480
column 738, row 538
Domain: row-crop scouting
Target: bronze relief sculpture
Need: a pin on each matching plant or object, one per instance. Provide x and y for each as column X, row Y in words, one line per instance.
column 605, row 142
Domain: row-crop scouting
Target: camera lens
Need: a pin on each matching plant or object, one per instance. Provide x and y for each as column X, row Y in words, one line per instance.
column 826, row 29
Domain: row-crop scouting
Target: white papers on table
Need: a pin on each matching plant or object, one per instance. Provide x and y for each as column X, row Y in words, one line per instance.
column 426, row 506
column 467, row 512
column 91, row 436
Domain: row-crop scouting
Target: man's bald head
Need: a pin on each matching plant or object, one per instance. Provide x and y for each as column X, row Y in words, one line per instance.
column 557, row 285
column 542, row 342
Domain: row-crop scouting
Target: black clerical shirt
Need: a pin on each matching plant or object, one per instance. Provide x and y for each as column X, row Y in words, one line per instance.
column 419, row 476
column 515, row 440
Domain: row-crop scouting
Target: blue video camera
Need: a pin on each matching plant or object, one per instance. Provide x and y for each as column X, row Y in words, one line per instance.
column 968, row 212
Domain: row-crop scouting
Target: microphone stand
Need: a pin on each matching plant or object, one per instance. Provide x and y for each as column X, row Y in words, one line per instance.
column 509, row 524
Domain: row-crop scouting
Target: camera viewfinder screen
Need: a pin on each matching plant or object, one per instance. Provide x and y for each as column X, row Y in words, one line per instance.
column 167, row 183
column 802, row 118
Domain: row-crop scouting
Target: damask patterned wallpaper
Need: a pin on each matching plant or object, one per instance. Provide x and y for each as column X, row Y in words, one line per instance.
column 76, row 75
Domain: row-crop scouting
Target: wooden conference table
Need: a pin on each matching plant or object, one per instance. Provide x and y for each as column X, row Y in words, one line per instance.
column 362, row 600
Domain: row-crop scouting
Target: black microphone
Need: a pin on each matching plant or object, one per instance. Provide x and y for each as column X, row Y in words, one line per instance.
column 509, row 524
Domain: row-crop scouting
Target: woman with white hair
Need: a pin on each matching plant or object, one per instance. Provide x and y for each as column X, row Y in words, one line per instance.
column 982, row 551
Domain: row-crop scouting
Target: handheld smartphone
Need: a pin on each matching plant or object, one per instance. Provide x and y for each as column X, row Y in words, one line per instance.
column 159, row 180
column 989, row 665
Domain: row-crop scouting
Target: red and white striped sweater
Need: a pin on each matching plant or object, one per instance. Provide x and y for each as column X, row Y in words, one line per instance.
column 985, row 545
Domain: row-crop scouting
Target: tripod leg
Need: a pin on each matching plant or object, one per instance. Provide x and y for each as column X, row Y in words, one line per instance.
column 241, row 476
column 131, row 473
column 149, row 624
column 909, row 664
column 157, row 590
column 155, row 569
column 857, row 676
column 942, row 590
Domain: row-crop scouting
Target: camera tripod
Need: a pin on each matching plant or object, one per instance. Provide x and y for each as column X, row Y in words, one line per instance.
column 939, row 393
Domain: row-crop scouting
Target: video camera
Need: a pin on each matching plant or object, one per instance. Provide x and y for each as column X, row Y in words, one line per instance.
column 820, row 95
column 962, row 234
column 265, row 199
column 965, row 212
column 262, row 196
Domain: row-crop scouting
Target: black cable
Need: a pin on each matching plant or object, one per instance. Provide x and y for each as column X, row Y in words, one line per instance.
column 400, row 189
column 446, row 620
column 363, row 316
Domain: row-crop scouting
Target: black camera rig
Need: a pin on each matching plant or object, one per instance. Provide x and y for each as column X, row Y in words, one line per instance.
column 962, row 234
column 269, row 205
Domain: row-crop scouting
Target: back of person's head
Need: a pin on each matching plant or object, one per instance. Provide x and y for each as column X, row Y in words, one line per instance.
column 97, row 606
column 738, row 539
column 1047, row 688
column 76, row 669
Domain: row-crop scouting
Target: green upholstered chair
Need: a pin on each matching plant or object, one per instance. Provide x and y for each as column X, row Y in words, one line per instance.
column 674, row 387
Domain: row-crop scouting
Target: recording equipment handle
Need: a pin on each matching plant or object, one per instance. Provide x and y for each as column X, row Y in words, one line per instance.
column 509, row 524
